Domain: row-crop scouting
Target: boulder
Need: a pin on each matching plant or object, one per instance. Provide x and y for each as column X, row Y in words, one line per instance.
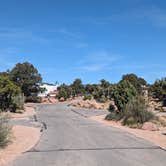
column 163, row 109
column 53, row 100
column 150, row 126
column 86, row 105
column 162, row 120
column 74, row 104
column 61, row 99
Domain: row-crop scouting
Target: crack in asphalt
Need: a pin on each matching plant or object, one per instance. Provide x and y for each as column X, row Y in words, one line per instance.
column 79, row 113
column 94, row 149
column 35, row 118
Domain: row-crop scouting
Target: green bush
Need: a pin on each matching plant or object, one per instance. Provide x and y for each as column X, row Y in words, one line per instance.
column 135, row 112
column 111, row 108
column 34, row 99
column 8, row 90
column 136, row 81
column 63, row 94
column 87, row 97
column 5, row 130
column 158, row 89
column 130, row 121
column 102, row 100
column 122, row 93
column 19, row 101
column 116, row 116
column 77, row 87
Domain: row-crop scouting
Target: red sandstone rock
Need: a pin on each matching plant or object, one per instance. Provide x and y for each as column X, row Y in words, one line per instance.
column 150, row 126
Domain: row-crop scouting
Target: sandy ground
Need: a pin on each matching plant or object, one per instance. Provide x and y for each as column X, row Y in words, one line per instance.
column 156, row 137
column 29, row 111
column 23, row 138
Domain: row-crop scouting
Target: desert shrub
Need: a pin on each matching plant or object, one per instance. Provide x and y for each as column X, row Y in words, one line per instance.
column 102, row 100
column 65, row 92
column 87, row 97
column 5, row 130
column 77, row 87
column 34, row 99
column 136, row 112
column 164, row 101
column 136, row 81
column 8, row 90
column 114, row 115
column 158, row 89
column 122, row 93
column 62, row 94
column 111, row 108
column 19, row 101
column 129, row 121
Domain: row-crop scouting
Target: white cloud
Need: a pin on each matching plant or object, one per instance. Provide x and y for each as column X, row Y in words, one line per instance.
column 67, row 33
column 155, row 15
column 137, row 66
column 81, row 45
column 103, row 56
column 72, row 38
column 98, row 61
column 93, row 67
column 18, row 34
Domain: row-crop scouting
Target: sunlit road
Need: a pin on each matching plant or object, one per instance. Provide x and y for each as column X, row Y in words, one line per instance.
column 71, row 139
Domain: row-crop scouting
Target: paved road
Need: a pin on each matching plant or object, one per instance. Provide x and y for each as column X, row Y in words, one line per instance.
column 71, row 139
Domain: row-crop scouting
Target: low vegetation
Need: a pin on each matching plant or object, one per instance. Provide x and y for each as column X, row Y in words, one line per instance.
column 136, row 112
column 130, row 105
column 5, row 130
column 8, row 92
column 158, row 90
column 20, row 84
column 122, row 93
column 87, row 97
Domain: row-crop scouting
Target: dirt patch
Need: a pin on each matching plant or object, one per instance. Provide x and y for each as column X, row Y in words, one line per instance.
column 27, row 112
column 156, row 137
column 24, row 138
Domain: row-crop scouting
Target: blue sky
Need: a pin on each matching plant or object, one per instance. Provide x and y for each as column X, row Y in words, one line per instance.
column 87, row 39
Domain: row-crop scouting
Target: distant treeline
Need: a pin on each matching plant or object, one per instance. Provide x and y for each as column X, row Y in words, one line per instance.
column 105, row 90
column 129, row 97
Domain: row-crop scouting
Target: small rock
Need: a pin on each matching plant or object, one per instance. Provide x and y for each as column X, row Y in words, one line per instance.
column 163, row 109
column 150, row 126
column 61, row 99
column 86, row 105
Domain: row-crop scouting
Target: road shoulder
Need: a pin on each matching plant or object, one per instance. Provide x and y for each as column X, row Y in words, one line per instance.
column 156, row 137
column 23, row 138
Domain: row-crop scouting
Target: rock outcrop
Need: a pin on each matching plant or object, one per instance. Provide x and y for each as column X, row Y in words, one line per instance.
column 150, row 126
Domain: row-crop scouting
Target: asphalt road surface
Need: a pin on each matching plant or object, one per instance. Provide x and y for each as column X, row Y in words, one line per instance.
column 71, row 139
